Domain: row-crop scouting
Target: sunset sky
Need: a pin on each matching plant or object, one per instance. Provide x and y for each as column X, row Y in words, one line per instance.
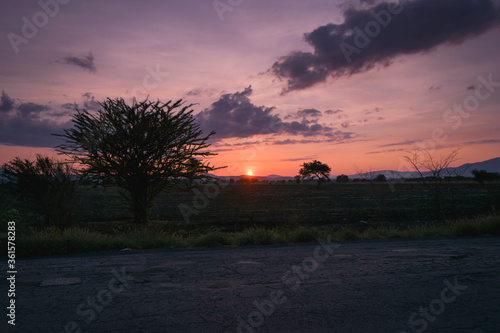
column 351, row 83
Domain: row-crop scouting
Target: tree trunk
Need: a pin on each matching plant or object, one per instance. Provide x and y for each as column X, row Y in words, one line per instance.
column 319, row 182
column 141, row 205
column 437, row 202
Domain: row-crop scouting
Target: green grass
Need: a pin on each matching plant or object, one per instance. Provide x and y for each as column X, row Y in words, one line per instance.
column 54, row 241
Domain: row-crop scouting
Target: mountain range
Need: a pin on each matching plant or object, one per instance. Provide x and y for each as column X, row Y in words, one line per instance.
column 492, row 165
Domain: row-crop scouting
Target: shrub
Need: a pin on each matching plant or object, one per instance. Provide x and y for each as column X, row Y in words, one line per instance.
column 302, row 235
column 212, row 239
column 46, row 185
column 258, row 236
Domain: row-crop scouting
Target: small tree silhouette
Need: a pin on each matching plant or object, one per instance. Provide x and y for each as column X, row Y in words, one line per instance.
column 342, row 179
column 482, row 176
column 315, row 169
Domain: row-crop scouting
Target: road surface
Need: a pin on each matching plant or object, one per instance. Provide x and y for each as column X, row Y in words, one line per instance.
column 449, row 285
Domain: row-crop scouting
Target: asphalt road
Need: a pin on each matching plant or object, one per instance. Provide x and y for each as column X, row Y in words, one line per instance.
column 450, row 285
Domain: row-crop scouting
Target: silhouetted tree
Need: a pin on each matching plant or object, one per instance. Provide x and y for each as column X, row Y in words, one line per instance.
column 342, row 179
column 194, row 170
column 143, row 148
column 315, row 169
column 436, row 168
column 380, row 178
column 46, row 184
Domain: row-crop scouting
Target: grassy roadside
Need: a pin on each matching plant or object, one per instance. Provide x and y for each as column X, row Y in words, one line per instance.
column 73, row 240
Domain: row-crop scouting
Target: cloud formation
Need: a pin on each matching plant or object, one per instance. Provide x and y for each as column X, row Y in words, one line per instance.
column 85, row 62
column 413, row 27
column 90, row 103
column 29, row 124
column 235, row 116
column 403, row 143
column 309, row 113
column 28, row 109
column 6, row 103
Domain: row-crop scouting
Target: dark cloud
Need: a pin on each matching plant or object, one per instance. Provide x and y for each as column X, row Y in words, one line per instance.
column 85, row 62
column 6, row 103
column 384, row 151
column 28, row 109
column 333, row 111
column 313, row 114
column 334, row 136
column 70, row 106
column 404, row 143
column 198, row 92
column 300, row 159
column 235, row 116
column 309, row 113
column 473, row 87
column 194, row 92
column 30, row 124
column 286, row 142
column 419, row 27
column 435, row 88
column 482, row 142
column 90, row 103
column 303, row 128
column 30, row 132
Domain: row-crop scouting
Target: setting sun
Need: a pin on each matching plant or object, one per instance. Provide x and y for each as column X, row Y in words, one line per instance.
column 250, row 173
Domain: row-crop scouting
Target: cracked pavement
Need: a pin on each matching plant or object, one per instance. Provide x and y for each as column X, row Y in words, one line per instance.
column 445, row 285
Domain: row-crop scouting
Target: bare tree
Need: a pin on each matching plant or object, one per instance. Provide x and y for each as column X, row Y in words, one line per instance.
column 432, row 169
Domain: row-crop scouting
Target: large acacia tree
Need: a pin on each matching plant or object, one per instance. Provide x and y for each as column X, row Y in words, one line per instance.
column 142, row 148
column 315, row 169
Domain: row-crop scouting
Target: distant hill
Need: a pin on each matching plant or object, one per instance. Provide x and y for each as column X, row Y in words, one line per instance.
column 492, row 165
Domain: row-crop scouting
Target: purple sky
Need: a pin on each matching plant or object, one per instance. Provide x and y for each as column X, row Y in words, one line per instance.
column 281, row 82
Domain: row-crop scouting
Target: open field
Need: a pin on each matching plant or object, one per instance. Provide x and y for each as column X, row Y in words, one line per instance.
column 238, row 206
column 262, row 214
